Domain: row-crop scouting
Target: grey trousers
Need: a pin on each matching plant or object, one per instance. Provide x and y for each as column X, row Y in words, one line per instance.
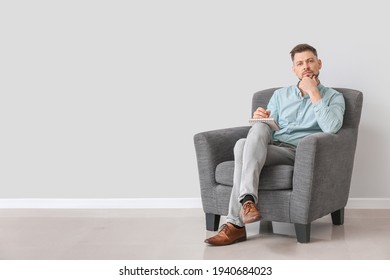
column 250, row 155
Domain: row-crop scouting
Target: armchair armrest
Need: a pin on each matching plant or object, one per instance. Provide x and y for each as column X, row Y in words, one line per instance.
column 322, row 174
column 214, row 147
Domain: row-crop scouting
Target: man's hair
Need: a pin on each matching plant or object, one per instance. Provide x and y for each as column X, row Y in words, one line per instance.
column 302, row 48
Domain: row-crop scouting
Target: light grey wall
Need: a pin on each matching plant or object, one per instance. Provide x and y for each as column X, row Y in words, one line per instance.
column 101, row 99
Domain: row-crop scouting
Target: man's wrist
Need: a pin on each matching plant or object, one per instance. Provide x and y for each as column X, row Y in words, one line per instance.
column 315, row 96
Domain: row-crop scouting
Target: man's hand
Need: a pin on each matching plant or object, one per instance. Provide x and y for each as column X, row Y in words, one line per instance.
column 308, row 85
column 261, row 113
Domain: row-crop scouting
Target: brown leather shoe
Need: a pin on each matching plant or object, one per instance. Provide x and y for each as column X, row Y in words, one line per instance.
column 228, row 234
column 249, row 213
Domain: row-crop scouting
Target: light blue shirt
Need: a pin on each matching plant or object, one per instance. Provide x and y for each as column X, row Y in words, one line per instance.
column 298, row 116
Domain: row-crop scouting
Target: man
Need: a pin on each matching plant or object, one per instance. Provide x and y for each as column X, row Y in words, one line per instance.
column 300, row 110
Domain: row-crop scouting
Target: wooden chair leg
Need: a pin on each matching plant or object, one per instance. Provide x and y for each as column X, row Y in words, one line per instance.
column 212, row 221
column 338, row 217
column 303, row 232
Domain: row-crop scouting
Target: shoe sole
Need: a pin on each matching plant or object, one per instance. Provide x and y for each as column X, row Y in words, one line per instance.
column 240, row 239
column 235, row 241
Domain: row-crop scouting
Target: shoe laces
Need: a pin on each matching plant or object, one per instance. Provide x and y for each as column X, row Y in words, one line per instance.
column 224, row 228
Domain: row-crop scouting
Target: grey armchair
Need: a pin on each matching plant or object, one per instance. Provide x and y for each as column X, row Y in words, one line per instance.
column 317, row 185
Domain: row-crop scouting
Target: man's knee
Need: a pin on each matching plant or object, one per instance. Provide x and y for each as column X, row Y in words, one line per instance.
column 260, row 130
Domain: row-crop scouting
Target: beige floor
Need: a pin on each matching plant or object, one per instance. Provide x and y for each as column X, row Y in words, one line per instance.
column 178, row 234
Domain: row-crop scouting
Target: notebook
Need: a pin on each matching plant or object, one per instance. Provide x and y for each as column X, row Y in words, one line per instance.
column 270, row 121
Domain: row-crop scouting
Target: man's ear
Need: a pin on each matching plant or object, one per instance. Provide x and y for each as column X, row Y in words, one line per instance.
column 320, row 63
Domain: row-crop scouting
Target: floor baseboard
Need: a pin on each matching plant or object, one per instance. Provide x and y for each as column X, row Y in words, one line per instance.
column 368, row 203
column 150, row 203
column 109, row 203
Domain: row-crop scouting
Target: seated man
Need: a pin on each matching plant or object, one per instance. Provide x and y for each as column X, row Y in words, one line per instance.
column 300, row 110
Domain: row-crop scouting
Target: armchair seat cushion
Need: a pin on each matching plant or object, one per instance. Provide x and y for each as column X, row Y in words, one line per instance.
column 274, row 177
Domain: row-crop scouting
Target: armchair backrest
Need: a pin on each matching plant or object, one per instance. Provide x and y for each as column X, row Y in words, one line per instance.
column 353, row 104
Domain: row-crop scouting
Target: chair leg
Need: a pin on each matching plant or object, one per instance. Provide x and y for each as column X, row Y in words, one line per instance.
column 338, row 217
column 303, row 232
column 266, row 227
column 212, row 221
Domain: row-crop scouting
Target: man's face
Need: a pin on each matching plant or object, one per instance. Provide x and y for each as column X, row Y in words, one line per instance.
column 306, row 64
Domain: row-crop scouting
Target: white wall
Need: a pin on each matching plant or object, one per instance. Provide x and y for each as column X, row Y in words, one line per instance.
column 101, row 99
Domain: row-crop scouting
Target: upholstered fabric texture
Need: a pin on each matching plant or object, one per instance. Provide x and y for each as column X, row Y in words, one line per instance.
column 277, row 177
